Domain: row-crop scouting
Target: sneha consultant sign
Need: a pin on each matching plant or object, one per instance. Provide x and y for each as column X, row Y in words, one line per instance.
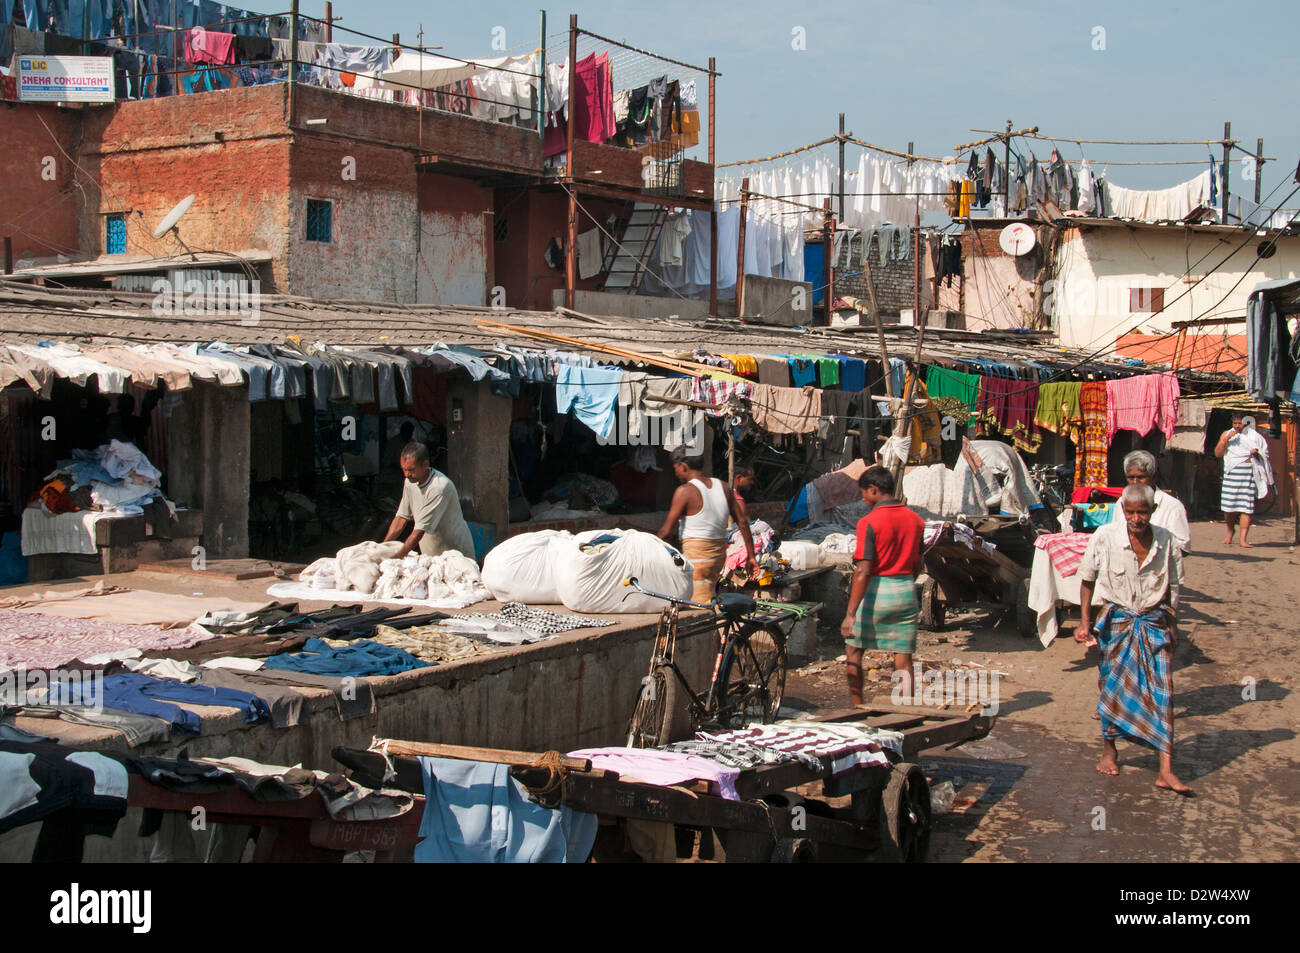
column 65, row 79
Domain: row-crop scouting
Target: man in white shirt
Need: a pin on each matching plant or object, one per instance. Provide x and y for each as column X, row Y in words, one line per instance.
column 1170, row 514
column 1135, row 569
column 431, row 503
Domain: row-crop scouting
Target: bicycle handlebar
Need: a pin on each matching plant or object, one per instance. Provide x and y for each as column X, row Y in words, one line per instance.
column 631, row 581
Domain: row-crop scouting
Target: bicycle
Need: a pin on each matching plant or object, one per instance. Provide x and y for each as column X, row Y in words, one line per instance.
column 748, row 673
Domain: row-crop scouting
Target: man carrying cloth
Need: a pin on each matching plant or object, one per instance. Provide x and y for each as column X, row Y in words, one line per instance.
column 1136, row 569
column 704, row 505
column 883, row 610
column 431, row 503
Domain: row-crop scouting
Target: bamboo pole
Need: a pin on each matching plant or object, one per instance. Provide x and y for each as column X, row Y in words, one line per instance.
column 683, row 367
column 526, row 759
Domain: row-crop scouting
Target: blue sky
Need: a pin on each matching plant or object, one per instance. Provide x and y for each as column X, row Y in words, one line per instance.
column 929, row 71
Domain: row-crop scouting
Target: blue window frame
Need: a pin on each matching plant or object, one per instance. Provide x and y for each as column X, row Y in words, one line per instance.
column 115, row 234
column 320, row 220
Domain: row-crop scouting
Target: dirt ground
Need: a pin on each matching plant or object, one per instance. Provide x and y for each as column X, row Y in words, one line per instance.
column 1031, row 792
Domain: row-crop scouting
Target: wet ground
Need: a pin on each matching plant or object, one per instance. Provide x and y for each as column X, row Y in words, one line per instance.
column 1031, row 792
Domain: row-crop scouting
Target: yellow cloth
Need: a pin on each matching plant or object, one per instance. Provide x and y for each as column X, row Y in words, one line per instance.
column 967, row 194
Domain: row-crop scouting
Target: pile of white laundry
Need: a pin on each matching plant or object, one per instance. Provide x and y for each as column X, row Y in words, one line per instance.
column 370, row 569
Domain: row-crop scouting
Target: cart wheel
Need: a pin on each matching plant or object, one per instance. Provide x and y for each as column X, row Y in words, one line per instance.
column 931, row 618
column 905, row 818
column 1026, row 618
column 652, row 719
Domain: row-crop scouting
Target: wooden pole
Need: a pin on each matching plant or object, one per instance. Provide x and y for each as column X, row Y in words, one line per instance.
column 293, row 55
column 1006, row 165
column 740, row 248
column 1227, row 150
column 329, row 22
column 841, row 138
column 828, row 264
column 904, row 421
column 541, row 78
column 529, row 759
column 1259, row 166
column 571, row 249
column 713, row 209
column 916, row 266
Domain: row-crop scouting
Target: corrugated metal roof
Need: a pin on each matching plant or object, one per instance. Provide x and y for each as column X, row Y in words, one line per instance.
column 96, row 317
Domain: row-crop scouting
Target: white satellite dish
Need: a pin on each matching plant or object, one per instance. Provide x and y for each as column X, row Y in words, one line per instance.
column 1017, row 238
column 171, row 218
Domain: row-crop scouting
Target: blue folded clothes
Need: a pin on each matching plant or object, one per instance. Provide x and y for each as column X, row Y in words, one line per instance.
column 146, row 695
column 358, row 659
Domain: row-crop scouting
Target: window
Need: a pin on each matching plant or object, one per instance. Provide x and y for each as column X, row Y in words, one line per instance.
column 500, row 229
column 320, row 220
column 1146, row 300
column 115, row 234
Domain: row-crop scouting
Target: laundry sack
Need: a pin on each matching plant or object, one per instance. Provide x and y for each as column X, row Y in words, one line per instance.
column 522, row 568
column 590, row 576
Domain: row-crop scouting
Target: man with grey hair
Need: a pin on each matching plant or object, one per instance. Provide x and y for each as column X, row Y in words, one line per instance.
column 429, row 502
column 1169, row 513
column 1135, row 569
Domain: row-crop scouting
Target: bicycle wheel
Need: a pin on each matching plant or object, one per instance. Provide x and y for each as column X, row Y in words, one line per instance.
column 752, row 677
column 652, row 719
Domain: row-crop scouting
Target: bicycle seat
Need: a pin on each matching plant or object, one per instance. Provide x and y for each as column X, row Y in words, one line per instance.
column 735, row 604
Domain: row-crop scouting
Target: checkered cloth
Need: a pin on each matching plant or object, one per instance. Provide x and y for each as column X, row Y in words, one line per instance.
column 1065, row 550
column 541, row 621
column 736, row 754
column 841, row 747
column 1136, row 697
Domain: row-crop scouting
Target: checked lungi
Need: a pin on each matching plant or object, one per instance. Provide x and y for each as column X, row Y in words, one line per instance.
column 1136, row 689
column 887, row 616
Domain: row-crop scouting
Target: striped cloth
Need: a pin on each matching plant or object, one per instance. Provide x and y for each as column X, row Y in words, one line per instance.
column 1238, row 492
column 1136, row 697
column 887, row 617
column 1064, row 549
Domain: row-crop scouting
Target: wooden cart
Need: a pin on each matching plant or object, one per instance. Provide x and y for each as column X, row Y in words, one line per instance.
column 959, row 575
column 871, row 812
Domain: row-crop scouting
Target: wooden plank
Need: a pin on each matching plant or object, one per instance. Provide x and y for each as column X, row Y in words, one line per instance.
column 425, row 749
column 235, row 570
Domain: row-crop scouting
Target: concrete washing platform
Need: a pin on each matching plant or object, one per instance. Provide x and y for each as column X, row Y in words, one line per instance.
column 576, row 690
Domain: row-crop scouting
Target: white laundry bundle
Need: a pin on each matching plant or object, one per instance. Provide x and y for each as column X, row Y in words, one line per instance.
column 522, row 569
column 359, row 565
column 322, row 574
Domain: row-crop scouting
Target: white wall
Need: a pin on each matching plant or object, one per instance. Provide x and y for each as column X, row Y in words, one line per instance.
column 1096, row 267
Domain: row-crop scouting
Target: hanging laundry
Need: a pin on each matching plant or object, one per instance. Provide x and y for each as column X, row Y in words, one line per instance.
column 1141, row 402
column 943, row 383
column 1090, row 462
column 208, row 46
column 1058, row 409
column 785, row 410
column 591, row 393
column 1008, row 406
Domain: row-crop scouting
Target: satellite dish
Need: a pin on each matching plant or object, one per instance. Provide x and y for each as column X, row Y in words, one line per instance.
column 171, row 218
column 1017, row 238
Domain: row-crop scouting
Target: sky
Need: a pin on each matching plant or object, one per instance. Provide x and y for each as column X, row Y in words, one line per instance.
column 930, row 71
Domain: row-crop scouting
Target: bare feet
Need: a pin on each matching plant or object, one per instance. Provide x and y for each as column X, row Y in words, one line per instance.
column 1170, row 782
column 1227, row 540
column 1246, row 545
column 1108, row 766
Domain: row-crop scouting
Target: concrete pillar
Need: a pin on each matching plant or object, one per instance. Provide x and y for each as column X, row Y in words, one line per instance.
column 478, row 451
column 207, row 461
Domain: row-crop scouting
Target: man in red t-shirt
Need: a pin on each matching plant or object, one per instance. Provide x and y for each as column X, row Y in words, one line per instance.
column 883, row 610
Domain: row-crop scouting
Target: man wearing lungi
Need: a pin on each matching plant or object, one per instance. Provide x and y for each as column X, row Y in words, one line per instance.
column 1136, row 569
column 704, row 505
column 1246, row 475
column 882, row 612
